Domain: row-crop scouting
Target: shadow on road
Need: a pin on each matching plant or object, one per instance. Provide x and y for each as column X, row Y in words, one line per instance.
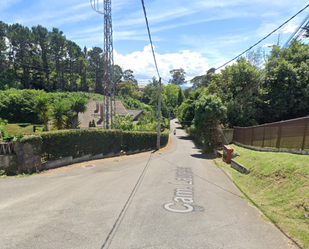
column 199, row 156
column 203, row 156
column 184, row 137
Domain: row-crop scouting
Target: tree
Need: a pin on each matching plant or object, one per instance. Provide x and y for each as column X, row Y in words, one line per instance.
column 42, row 108
column 287, row 83
column 83, row 70
column 180, row 97
column 148, row 122
column 240, row 88
column 150, row 94
column 178, row 76
column 208, row 112
column 78, row 105
column 60, row 112
column 57, row 41
column 186, row 112
column 6, row 72
column 124, row 123
column 41, row 38
column 21, row 42
column 128, row 76
column 171, row 92
column 3, row 46
column 96, row 67
column 73, row 55
column 117, row 77
column 126, row 88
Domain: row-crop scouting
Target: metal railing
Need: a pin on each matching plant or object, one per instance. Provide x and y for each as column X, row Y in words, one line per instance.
column 6, row 148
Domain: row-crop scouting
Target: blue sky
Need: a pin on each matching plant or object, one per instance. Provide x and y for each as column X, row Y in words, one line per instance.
column 194, row 35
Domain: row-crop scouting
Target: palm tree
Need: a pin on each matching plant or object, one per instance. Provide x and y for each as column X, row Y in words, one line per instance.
column 60, row 112
column 42, row 108
column 78, row 105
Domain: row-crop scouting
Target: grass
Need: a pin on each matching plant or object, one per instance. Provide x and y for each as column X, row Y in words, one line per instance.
column 278, row 184
column 15, row 129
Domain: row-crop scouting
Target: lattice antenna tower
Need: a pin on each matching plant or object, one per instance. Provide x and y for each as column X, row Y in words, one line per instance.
column 298, row 33
column 103, row 7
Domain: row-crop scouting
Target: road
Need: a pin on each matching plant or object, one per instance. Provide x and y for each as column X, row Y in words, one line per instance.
column 173, row 198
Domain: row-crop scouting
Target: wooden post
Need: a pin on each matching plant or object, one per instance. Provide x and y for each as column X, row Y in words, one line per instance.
column 279, row 136
column 263, row 137
column 304, row 137
column 252, row 133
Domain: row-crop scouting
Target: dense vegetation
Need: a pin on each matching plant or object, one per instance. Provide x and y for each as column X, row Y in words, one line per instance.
column 40, row 59
column 256, row 89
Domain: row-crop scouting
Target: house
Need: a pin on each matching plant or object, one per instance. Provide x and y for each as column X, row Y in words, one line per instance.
column 141, row 88
column 96, row 111
column 136, row 114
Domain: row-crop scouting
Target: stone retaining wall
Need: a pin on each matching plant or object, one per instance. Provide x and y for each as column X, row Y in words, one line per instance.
column 28, row 157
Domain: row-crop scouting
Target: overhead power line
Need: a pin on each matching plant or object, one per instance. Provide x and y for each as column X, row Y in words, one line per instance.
column 153, row 53
column 264, row 37
column 155, row 61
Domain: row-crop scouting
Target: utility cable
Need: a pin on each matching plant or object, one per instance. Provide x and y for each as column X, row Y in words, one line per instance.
column 153, row 53
column 263, row 38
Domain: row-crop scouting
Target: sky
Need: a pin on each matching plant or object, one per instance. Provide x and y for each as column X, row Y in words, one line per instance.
column 194, row 35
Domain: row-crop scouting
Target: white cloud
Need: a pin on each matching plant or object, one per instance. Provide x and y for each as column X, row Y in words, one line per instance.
column 268, row 45
column 7, row 3
column 142, row 63
column 289, row 28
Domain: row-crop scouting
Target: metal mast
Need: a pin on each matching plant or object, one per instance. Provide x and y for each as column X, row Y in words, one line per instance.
column 297, row 34
column 103, row 7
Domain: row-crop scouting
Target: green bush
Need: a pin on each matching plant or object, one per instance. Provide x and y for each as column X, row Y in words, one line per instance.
column 78, row 143
column 132, row 140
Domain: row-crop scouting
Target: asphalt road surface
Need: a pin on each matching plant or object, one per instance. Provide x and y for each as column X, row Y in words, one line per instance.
column 173, row 198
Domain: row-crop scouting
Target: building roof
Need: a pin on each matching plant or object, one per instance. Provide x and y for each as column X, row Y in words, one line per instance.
column 93, row 113
column 135, row 114
column 141, row 87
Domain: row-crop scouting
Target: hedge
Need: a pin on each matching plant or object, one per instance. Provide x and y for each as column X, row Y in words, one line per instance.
column 132, row 140
column 78, row 143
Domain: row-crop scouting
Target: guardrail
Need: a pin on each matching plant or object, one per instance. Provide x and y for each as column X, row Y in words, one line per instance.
column 6, row 148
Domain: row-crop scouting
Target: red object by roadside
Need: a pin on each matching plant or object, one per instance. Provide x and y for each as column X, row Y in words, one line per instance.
column 227, row 153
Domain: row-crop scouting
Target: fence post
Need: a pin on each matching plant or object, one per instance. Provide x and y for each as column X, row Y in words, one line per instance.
column 304, row 137
column 252, row 132
column 263, row 137
column 279, row 136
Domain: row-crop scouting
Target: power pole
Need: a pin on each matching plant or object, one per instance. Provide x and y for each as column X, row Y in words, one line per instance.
column 104, row 8
column 159, row 116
